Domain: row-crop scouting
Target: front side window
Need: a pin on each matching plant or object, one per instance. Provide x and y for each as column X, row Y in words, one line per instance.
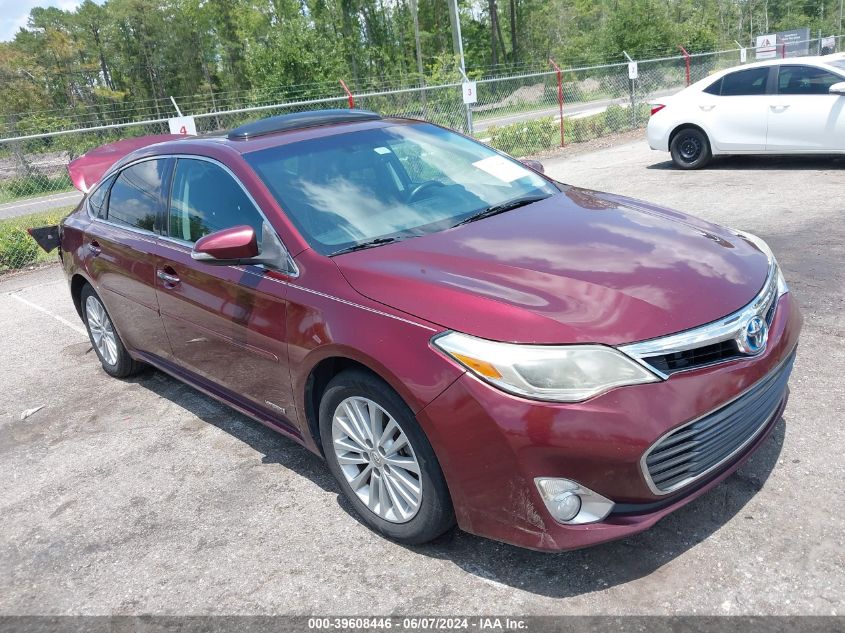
column 205, row 198
column 397, row 181
column 745, row 83
column 135, row 197
column 805, row 80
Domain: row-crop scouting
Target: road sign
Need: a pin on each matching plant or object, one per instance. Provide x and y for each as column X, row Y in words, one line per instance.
column 743, row 55
column 183, row 125
column 796, row 43
column 767, row 46
column 633, row 70
column 828, row 45
column 470, row 95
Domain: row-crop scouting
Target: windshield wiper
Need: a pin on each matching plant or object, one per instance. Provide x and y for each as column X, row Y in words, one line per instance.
column 501, row 208
column 368, row 244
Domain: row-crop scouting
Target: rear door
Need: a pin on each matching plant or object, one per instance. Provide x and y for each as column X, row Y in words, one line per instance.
column 803, row 115
column 734, row 110
column 119, row 251
column 226, row 324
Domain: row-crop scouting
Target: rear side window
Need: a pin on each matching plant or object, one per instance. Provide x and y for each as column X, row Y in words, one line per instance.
column 715, row 88
column 204, row 199
column 97, row 200
column 805, row 80
column 742, row 83
column 136, row 195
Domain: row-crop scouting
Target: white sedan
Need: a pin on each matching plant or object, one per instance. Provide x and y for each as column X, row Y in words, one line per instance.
column 784, row 106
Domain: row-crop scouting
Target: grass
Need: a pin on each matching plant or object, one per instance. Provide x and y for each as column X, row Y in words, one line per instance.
column 31, row 186
column 17, row 249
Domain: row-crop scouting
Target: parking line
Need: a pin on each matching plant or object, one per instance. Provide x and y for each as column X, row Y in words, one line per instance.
column 58, row 318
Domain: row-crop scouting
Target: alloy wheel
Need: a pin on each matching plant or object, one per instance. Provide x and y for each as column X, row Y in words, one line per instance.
column 102, row 330
column 377, row 460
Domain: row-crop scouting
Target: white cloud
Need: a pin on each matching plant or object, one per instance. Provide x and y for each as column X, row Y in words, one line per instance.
column 15, row 13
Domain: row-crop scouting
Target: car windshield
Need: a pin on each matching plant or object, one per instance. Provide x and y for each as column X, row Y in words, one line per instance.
column 365, row 188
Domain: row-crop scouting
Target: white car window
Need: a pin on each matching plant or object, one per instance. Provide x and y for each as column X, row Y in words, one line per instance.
column 805, row 80
column 741, row 83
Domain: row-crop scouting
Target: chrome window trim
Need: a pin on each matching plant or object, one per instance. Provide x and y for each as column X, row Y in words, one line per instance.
column 682, row 484
column 292, row 268
column 115, row 171
column 727, row 328
column 131, row 229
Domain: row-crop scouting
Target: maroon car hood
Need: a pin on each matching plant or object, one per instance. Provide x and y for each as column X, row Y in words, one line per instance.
column 577, row 267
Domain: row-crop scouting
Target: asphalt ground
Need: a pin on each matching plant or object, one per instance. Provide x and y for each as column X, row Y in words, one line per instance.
column 42, row 203
column 144, row 496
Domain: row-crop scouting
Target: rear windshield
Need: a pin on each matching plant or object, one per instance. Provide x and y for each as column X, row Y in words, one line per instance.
column 398, row 181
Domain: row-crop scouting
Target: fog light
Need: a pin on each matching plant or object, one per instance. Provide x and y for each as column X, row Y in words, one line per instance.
column 570, row 502
column 567, row 506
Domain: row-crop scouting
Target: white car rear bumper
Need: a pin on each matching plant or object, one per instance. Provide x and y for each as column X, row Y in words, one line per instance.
column 658, row 131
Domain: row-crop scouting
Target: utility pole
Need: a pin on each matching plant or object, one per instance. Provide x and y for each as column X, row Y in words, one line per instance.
column 419, row 49
column 458, row 44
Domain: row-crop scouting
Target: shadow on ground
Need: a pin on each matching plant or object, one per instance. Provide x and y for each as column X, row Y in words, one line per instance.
column 738, row 163
column 556, row 575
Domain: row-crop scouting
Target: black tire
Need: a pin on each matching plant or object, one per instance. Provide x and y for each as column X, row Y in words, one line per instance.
column 124, row 365
column 435, row 514
column 690, row 149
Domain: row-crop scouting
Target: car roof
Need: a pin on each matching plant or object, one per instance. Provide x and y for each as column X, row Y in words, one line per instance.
column 807, row 59
column 250, row 137
column 284, row 129
column 813, row 60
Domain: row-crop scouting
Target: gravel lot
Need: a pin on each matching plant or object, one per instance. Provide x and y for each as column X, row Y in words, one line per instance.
column 145, row 496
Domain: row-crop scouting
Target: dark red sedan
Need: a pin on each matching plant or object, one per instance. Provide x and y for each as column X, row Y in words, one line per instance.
column 462, row 338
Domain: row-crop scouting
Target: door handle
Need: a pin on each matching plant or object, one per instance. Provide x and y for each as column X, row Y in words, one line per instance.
column 707, row 108
column 168, row 278
column 779, row 107
column 94, row 248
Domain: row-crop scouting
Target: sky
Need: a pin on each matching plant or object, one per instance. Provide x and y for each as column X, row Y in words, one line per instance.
column 14, row 13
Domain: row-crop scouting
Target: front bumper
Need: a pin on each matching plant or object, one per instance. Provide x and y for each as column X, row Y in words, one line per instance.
column 491, row 446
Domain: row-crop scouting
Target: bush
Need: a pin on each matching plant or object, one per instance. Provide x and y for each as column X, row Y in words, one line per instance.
column 525, row 138
column 33, row 185
column 17, row 248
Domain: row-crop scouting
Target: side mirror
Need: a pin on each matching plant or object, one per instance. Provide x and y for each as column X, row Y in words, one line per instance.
column 838, row 89
column 536, row 165
column 237, row 245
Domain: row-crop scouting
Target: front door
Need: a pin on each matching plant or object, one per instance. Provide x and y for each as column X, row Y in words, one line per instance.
column 803, row 115
column 226, row 324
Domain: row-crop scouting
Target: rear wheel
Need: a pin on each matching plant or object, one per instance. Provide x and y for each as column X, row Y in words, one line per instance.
column 690, row 149
column 382, row 460
column 113, row 356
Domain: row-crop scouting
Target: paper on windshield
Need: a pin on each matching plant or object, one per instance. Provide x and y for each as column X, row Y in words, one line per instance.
column 502, row 169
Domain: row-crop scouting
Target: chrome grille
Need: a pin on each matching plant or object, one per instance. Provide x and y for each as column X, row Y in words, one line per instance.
column 710, row 343
column 700, row 447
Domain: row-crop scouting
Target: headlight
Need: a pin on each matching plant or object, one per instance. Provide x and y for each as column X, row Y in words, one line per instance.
column 767, row 251
column 569, row 373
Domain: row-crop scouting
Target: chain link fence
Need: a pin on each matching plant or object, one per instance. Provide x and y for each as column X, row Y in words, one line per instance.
column 518, row 114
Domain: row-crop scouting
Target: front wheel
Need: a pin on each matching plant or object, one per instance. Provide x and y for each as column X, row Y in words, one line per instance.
column 690, row 149
column 382, row 460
